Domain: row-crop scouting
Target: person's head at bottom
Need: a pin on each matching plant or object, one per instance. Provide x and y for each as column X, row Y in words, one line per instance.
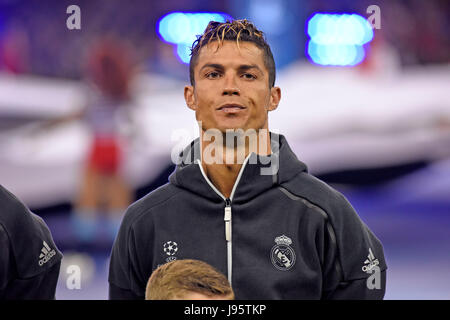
column 188, row 279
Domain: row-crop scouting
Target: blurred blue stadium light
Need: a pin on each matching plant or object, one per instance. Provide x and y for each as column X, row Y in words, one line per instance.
column 272, row 16
column 338, row 39
column 182, row 28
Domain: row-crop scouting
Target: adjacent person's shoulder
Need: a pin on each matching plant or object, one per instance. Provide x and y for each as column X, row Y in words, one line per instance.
column 12, row 210
column 16, row 217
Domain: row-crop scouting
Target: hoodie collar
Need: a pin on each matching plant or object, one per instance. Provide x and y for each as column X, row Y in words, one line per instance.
column 258, row 173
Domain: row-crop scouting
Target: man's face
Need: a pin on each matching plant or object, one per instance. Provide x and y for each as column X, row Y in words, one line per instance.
column 231, row 87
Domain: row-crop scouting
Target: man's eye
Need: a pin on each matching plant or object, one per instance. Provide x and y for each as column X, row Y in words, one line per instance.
column 212, row 75
column 249, row 76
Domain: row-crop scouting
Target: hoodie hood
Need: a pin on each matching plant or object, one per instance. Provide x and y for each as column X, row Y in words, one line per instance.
column 259, row 173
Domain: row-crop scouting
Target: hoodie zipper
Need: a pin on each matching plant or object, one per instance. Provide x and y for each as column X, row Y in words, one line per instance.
column 227, row 214
column 227, row 219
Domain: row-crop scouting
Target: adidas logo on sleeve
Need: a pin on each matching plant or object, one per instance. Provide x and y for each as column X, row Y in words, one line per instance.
column 370, row 262
column 46, row 254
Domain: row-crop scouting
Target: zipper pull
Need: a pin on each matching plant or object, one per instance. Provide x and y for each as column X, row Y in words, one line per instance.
column 227, row 218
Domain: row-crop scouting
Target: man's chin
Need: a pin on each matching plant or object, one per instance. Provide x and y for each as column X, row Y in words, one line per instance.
column 227, row 127
column 233, row 132
column 234, row 125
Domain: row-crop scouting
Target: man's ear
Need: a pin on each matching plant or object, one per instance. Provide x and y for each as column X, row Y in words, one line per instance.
column 189, row 97
column 275, row 97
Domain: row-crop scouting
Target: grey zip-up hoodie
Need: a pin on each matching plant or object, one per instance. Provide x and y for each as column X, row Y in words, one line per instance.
column 281, row 236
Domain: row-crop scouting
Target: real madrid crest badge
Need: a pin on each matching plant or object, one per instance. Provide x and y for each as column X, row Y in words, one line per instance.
column 282, row 255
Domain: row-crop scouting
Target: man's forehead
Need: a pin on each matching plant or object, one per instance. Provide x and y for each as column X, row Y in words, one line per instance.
column 229, row 50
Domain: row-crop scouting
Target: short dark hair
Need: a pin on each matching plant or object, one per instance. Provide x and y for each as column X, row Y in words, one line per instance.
column 235, row 30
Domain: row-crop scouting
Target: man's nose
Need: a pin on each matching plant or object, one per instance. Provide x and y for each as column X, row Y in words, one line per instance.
column 231, row 91
column 230, row 87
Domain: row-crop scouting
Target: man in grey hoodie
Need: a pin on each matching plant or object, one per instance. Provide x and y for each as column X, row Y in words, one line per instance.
column 240, row 199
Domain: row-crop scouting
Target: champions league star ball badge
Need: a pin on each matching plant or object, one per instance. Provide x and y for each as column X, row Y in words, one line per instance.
column 170, row 248
column 282, row 255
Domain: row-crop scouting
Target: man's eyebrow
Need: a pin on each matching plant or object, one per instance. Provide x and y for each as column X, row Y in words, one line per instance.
column 245, row 67
column 213, row 66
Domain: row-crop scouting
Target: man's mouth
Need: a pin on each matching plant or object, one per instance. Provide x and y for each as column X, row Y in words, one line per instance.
column 230, row 108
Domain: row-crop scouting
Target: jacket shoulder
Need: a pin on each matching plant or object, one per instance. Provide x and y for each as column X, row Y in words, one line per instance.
column 144, row 205
column 12, row 209
column 315, row 191
column 353, row 238
column 15, row 217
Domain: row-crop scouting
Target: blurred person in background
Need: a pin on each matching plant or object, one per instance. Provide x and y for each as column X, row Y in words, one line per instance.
column 281, row 234
column 104, row 191
column 29, row 259
column 188, row 279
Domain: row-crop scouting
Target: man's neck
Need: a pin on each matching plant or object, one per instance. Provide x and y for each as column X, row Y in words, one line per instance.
column 223, row 174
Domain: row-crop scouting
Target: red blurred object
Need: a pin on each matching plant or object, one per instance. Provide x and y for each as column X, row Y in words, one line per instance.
column 106, row 155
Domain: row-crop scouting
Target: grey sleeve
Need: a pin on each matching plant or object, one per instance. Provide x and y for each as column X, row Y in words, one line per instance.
column 5, row 260
column 355, row 266
column 124, row 282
